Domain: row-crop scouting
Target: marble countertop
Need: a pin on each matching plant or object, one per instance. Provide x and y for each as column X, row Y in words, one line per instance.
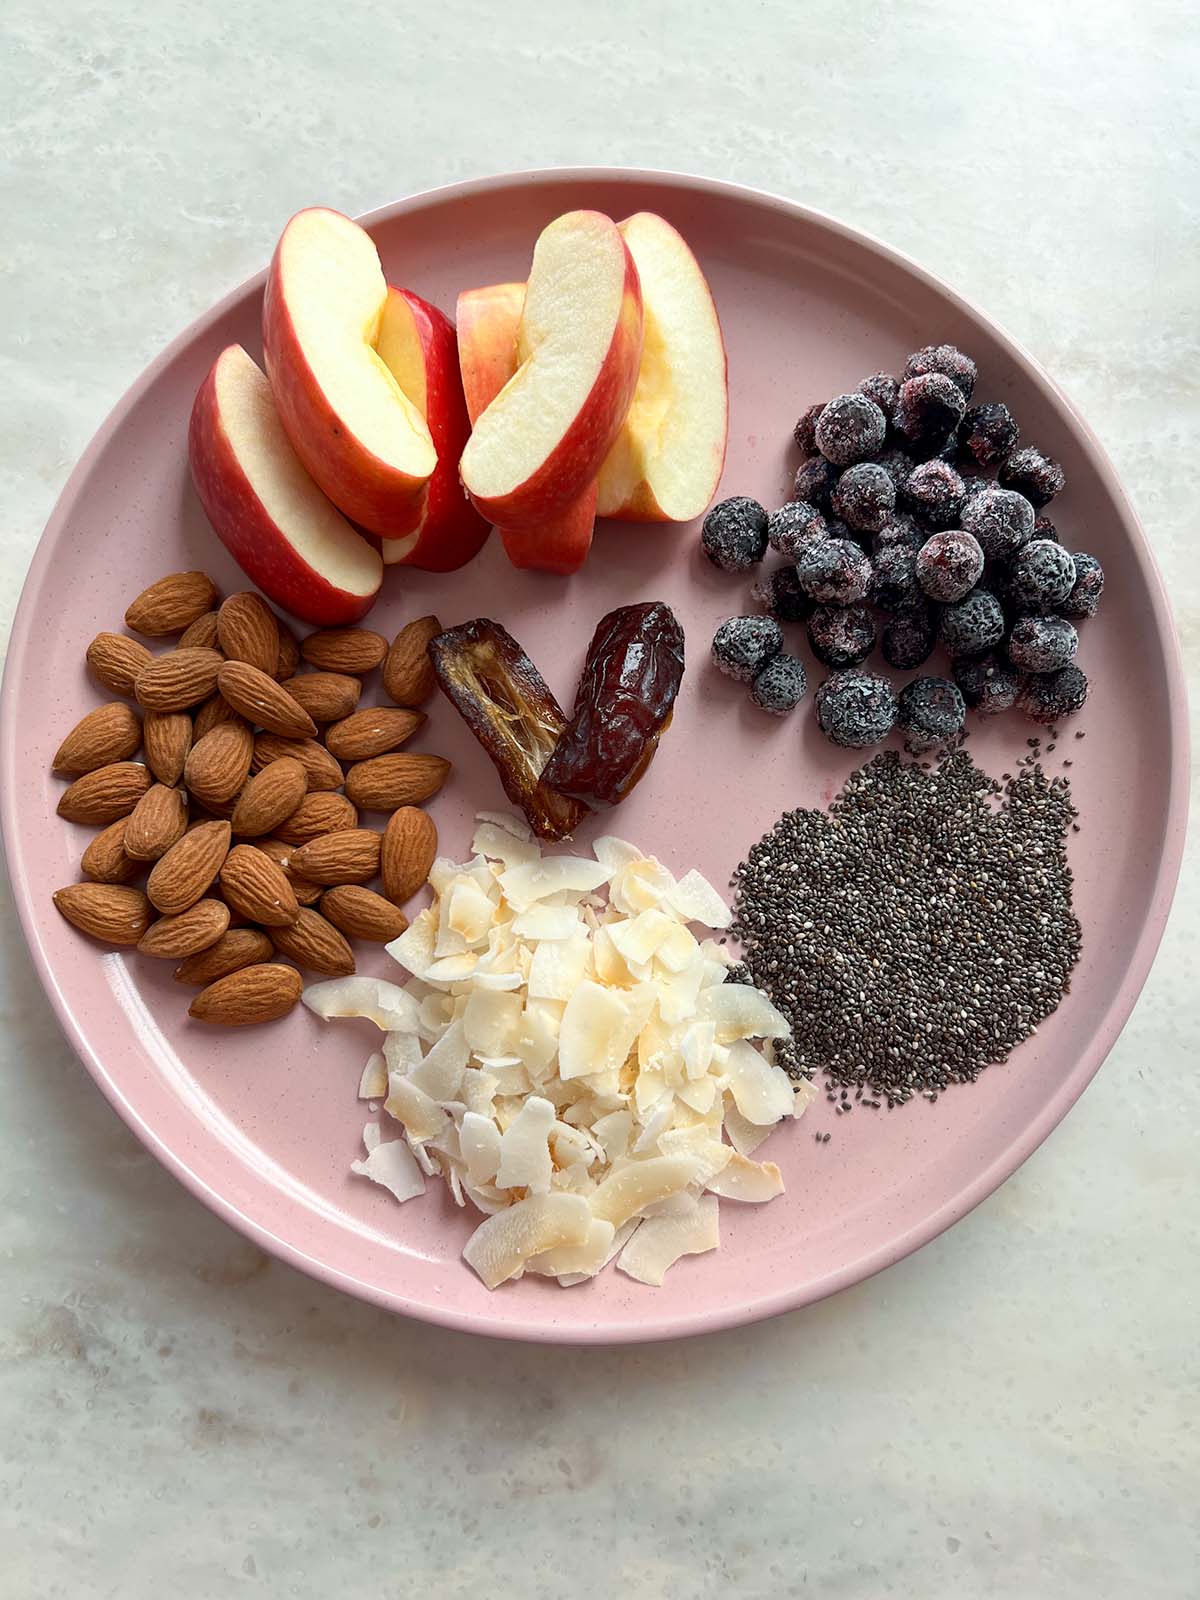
column 1011, row 1412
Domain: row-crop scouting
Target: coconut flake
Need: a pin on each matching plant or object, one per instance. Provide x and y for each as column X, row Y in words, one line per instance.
column 502, row 1244
column 546, row 922
column 421, row 1115
column 374, row 1081
column 525, row 885
column 661, row 1241
column 594, row 1021
column 385, row 1004
column 509, row 821
column 632, row 1188
column 559, row 965
column 525, row 1150
column 440, row 1074
column 479, row 1142
column 501, row 844
column 695, row 900
column 390, row 1164
column 762, row 1092
column 742, row 1012
column 750, row 1181
column 578, row 1260
column 615, row 853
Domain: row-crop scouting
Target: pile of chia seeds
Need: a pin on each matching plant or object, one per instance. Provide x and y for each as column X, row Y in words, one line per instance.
column 916, row 932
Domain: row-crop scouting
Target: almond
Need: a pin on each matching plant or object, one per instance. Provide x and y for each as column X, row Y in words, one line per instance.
column 105, row 861
column 167, row 736
column 326, row 696
column 362, row 914
column 180, row 679
column 263, row 701
column 202, row 634
column 372, row 731
column 215, row 710
column 172, row 604
column 179, row 878
column 247, row 631
column 269, row 797
column 257, row 887
column 194, row 929
column 351, row 856
column 344, row 649
column 321, row 770
column 237, row 947
column 157, row 821
column 307, row 893
column 116, row 660
column 109, row 911
column 109, row 733
column 289, row 652
column 385, row 782
column 410, row 844
column 317, row 814
column 408, row 673
column 314, row 943
column 219, row 764
column 261, row 993
column 106, row 794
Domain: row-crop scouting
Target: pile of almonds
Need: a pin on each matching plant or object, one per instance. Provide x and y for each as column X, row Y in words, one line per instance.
column 245, row 810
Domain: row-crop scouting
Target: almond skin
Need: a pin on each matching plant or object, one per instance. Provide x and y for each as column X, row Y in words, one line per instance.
column 264, row 702
column 247, row 631
column 372, row 731
column 172, row 604
column 109, row 911
column 157, row 822
column 179, row 878
column 362, row 914
column 326, row 696
column 215, row 710
column 257, row 887
column 269, row 798
column 116, row 660
column 180, row 679
column 314, row 943
column 410, row 844
column 237, row 947
column 195, row 929
column 110, row 733
column 202, row 634
column 167, row 736
column 385, row 782
column 106, row 794
column 320, row 768
column 219, row 764
column 351, row 856
column 317, row 814
column 260, row 993
column 105, row 861
column 289, row 652
column 307, row 893
column 355, row 650
column 408, row 676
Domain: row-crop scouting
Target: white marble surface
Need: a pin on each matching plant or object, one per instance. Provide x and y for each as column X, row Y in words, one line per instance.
column 1013, row 1412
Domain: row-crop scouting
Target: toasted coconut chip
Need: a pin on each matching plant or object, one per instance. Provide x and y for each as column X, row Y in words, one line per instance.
column 615, row 853
column 414, row 948
column 484, row 1197
column 442, row 874
column 695, row 900
column 762, row 1093
column 568, row 1280
column 806, row 1093
column 638, row 939
column 500, row 844
column 699, row 1145
column 661, row 1241
column 696, row 1047
column 500, row 1246
column 640, row 886
column 745, row 1136
column 593, row 1023
column 700, row 1096
column 678, row 950
column 421, row 1115
column 750, row 1181
column 656, row 1123
column 509, row 821
column 580, row 1260
column 525, row 1150
column 427, row 1163
column 402, row 1053
column 614, row 1131
column 478, row 1090
column 479, row 1141
column 470, row 911
column 741, row 1012
column 525, row 885
column 632, row 1188
column 452, row 969
column 559, row 966
column 492, row 1022
column 391, row 1165
column 440, row 1074
column 546, row 922
column 384, row 1004
column 679, row 993
column 374, row 1081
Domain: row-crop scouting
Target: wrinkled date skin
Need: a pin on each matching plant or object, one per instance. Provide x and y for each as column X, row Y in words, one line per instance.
column 622, row 706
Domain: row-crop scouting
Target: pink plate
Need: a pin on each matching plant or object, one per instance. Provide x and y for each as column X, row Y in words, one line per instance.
column 263, row 1125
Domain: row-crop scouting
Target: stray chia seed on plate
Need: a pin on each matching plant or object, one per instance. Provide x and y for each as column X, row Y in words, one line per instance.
column 918, row 931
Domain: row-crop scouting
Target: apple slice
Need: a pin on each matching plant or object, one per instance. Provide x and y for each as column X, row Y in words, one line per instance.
column 266, row 510
column 669, row 454
column 488, row 320
column 541, row 441
column 559, row 544
column 360, row 436
column 417, row 344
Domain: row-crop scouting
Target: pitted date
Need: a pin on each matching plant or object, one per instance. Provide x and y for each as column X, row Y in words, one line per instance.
column 622, row 706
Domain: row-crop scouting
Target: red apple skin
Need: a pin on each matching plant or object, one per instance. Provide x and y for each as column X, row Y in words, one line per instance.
column 488, row 320
column 243, row 526
column 576, row 459
column 451, row 532
column 365, row 488
column 560, row 544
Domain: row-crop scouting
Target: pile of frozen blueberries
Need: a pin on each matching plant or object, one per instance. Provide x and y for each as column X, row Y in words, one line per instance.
column 916, row 520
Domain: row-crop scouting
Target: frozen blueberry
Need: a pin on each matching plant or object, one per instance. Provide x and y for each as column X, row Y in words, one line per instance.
column 815, row 482
column 908, row 637
column 929, row 409
column 1001, row 520
column 883, row 389
column 1042, row 644
column 932, row 711
column 805, row 430
column 850, row 429
column 896, row 464
column 865, row 497
column 742, row 646
column 837, row 529
column 841, row 636
column 834, row 573
column 1084, row 598
column 1041, row 576
column 947, row 360
column 780, row 686
column 988, row 683
column 1043, row 528
column 794, row 527
column 734, row 536
column 972, row 626
column 935, row 492
column 1032, row 474
column 894, row 586
column 900, row 528
column 780, row 595
column 856, row 709
column 987, row 434
column 1049, row 697
column 949, row 564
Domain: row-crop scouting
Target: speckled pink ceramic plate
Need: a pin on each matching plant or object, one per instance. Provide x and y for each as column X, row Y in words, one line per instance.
column 263, row 1125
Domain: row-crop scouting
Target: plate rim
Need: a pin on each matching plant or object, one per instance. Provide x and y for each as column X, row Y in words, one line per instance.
column 740, row 1312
